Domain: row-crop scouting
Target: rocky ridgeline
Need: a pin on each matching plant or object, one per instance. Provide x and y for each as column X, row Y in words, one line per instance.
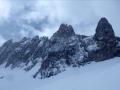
column 64, row 49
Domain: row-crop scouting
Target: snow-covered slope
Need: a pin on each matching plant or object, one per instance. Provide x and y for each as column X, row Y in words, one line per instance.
column 103, row 75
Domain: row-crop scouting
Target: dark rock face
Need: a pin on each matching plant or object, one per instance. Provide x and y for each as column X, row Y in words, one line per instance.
column 65, row 31
column 5, row 50
column 64, row 49
column 56, row 61
column 105, row 40
column 117, row 52
column 22, row 52
column 27, row 50
column 104, row 31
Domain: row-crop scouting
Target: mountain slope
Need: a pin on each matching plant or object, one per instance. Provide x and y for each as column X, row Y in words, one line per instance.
column 95, row 76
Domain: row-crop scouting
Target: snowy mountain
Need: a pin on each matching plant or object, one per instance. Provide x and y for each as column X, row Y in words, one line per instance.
column 63, row 50
column 103, row 75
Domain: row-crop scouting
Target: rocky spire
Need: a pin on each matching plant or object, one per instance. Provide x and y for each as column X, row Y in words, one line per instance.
column 104, row 30
column 105, row 40
column 64, row 31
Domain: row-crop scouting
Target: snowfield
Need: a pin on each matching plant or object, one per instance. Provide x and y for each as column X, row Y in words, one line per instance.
column 103, row 75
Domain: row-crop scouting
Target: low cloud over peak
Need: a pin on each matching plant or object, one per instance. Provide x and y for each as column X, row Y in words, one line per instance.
column 21, row 18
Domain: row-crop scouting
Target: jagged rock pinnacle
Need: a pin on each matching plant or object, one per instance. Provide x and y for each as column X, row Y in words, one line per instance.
column 64, row 31
column 104, row 30
column 105, row 39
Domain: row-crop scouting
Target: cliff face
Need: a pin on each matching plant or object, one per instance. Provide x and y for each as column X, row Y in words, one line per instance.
column 105, row 40
column 63, row 49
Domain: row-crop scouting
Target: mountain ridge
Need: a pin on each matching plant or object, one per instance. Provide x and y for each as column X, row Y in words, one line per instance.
column 64, row 49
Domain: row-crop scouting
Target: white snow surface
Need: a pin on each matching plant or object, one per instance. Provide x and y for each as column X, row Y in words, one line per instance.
column 103, row 75
column 93, row 47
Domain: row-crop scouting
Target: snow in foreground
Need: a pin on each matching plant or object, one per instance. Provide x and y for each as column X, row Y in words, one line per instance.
column 95, row 76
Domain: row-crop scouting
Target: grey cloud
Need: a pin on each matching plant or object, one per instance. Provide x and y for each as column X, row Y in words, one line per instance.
column 43, row 17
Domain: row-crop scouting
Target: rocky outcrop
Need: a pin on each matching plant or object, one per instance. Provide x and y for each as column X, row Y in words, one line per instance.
column 27, row 50
column 65, row 50
column 65, row 31
column 117, row 52
column 5, row 51
column 105, row 41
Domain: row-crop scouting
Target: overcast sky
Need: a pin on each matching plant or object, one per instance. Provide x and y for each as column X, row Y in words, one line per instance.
column 19, row 18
